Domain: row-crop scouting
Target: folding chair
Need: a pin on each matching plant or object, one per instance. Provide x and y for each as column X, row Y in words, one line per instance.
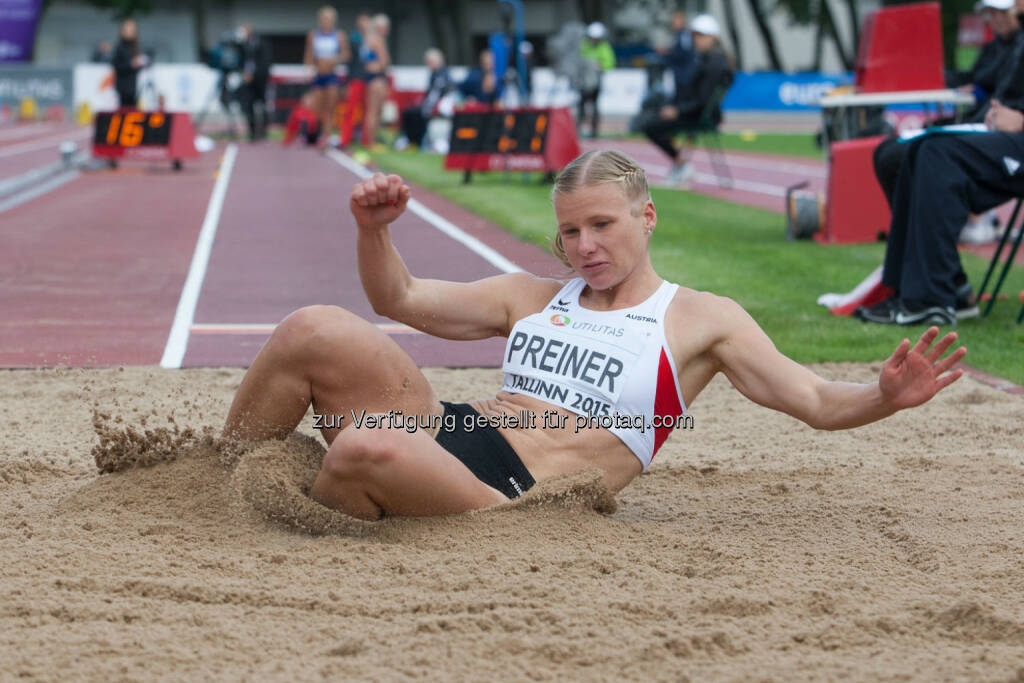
column 707, row 128
column 1006, row 266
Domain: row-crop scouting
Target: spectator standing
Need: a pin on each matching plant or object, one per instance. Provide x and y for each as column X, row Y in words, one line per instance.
column 596, row 57
column 127, row 61
column 255, row 75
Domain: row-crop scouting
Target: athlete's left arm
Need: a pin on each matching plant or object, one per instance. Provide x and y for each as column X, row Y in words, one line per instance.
column 344, row 51
column 384, row 55
column 910, row 376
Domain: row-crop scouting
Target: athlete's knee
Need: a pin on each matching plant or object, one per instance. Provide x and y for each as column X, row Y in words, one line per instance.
column 360, row 454
column 313, row 329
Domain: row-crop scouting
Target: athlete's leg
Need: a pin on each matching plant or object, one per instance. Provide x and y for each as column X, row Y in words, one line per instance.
column 334, row 360
column 369, row 472
column 330, row 100
column 377, row 92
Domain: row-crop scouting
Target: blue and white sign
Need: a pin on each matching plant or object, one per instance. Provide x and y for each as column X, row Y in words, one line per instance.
column 777, row 91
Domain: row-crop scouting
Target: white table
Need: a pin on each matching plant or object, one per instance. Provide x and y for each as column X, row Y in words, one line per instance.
column 839, row 106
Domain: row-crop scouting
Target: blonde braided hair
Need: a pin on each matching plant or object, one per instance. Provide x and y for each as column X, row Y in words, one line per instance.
column 598, row 167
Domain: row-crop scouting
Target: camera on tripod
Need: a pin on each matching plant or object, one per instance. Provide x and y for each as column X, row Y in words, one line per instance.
column 227, row 55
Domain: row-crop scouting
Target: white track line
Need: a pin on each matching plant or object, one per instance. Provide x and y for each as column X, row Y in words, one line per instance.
column 443, row 224
column 43, row 143
column 37, row 190
column 268, row 328
column 177, row 341
column 24, row 130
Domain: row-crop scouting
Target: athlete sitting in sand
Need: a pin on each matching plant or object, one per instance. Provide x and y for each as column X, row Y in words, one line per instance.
column 615, row 341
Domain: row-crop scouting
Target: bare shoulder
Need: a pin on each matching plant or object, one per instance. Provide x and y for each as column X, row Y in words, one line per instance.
column 530, row 293
column 702, row 317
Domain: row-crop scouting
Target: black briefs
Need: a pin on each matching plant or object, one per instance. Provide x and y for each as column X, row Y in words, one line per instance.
column 485, row 452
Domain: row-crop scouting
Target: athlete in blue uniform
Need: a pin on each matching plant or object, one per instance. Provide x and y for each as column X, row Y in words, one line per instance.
column 616, row 348
column 326, row 47
column 375, row 59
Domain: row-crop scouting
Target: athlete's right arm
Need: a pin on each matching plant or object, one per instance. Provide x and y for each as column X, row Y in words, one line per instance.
column 453, row 310
column 307, row 57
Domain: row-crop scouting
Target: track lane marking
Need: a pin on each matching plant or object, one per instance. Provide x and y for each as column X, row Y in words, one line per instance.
column 268, row 328
column 177, row 340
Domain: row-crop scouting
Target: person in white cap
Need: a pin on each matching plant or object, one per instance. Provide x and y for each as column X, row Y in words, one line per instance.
column 596, row 58
column 712, row 72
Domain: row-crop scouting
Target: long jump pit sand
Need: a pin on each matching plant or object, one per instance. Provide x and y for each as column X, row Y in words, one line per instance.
column 135, row 545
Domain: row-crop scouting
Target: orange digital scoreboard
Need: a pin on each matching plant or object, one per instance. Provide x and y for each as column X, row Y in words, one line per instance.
column 136, row 135
column 523, row 139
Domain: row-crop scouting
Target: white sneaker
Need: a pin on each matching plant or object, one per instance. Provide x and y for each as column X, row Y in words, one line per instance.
column 979, row 232
column 680, row 173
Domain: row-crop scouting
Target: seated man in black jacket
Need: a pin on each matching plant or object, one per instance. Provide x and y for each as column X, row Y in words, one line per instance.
column 712, row 71
column 942, row 178
column 998, row 71
column 416, row 117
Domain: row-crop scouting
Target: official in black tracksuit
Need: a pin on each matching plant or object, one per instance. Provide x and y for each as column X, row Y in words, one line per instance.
column 127, row 61
column 942, row 179
column 416, row 117
column 252, row 94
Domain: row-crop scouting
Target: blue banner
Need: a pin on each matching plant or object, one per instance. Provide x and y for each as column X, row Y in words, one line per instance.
column 18, row 19
column 777, row 91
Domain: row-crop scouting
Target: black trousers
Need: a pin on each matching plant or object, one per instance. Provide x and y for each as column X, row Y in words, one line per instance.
column 942, row 179
column 414, row 124
column 127, row 95
column 253, row 98
column 588, row 99
column 661, row 132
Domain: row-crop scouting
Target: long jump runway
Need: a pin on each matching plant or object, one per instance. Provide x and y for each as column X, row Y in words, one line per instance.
column 144, row 266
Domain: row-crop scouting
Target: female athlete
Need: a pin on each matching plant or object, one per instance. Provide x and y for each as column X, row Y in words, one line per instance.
column 326, row 47
column 616, row 340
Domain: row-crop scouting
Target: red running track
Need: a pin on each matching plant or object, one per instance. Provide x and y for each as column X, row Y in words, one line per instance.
column 24, row 148
column 92, row 271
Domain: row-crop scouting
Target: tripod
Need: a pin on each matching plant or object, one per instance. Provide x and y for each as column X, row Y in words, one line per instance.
column 222, row 93
column 147, row 86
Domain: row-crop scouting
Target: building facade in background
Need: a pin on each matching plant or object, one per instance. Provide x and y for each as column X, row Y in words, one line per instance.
column 69, row 31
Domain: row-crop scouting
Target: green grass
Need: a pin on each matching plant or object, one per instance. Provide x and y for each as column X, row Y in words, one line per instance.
column 787, row 144
column 741, row 252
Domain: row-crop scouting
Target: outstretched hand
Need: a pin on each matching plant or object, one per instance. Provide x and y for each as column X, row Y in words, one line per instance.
column 379, row 200
column 912, row 376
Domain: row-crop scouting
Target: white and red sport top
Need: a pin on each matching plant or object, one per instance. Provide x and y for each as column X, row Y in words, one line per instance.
column 614, row 363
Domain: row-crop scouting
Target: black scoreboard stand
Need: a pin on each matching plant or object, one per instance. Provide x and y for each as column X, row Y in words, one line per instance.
column 520, row 139
column 135, row 135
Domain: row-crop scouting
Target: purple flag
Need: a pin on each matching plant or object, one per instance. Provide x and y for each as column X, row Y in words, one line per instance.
column 18, row 20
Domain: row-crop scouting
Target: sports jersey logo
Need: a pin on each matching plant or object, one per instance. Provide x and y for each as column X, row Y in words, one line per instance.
column 560, row 320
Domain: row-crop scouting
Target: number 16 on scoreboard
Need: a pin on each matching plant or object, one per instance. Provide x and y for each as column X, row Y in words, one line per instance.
column 144, row 136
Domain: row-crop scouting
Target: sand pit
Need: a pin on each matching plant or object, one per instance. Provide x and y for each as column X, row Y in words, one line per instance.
column 754, row 548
